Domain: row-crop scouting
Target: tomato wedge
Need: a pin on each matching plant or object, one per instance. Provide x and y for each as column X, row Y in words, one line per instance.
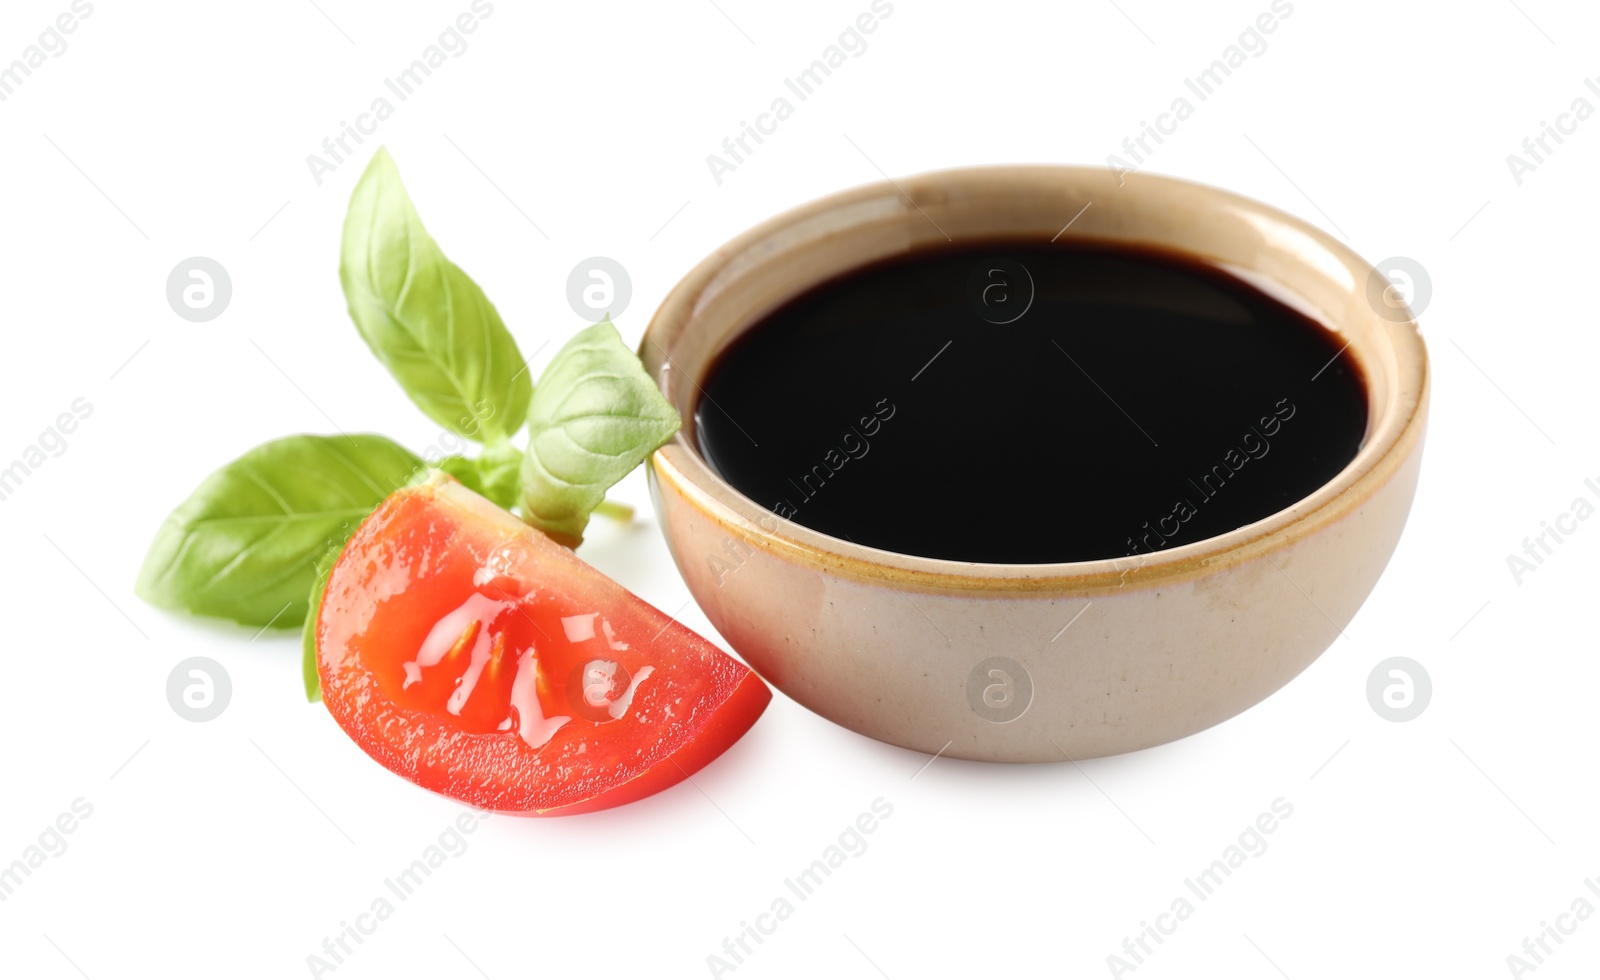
column 477, row 658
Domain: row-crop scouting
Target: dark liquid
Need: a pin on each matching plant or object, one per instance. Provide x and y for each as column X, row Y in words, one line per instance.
column 1143, row 400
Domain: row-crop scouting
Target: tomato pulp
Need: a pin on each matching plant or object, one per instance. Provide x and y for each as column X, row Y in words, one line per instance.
column 477, row 658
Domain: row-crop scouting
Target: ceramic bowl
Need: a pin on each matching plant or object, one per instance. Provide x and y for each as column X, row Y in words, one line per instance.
column 972, row 660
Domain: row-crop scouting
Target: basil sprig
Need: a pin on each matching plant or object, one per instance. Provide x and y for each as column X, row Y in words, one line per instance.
column 424, row 318
column 257, row 540
column 595, row 416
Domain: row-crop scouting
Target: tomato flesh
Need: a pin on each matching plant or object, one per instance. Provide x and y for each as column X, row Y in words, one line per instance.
column 477, row 658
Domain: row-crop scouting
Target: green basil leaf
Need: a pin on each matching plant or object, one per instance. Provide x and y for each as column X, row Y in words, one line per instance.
column 465, row 470
column 242, row 547
column 496, row 473
column 308, row 631
column 429, row 324
column 595, row 415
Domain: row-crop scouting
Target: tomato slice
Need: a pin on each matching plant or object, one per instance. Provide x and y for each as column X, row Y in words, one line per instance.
column 477, row 658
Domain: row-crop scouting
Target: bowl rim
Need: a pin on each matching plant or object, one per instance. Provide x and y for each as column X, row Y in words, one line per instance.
column 1392, row 435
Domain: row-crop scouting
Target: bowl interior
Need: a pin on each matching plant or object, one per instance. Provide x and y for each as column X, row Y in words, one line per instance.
column 1281, row 255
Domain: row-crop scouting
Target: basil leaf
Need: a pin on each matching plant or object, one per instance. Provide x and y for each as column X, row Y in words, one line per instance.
column 595, row 415
column 429, row 324
column 465, row 470
column 242, row 546
column 496, row 473
column 308, row 631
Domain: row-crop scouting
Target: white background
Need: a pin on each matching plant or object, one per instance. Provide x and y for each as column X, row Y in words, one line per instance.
column 232, row 848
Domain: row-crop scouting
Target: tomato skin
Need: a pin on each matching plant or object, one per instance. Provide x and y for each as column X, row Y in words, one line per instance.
column 436, row 549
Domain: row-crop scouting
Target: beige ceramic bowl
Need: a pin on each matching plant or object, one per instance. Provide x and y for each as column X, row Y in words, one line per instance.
column 970, row 659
